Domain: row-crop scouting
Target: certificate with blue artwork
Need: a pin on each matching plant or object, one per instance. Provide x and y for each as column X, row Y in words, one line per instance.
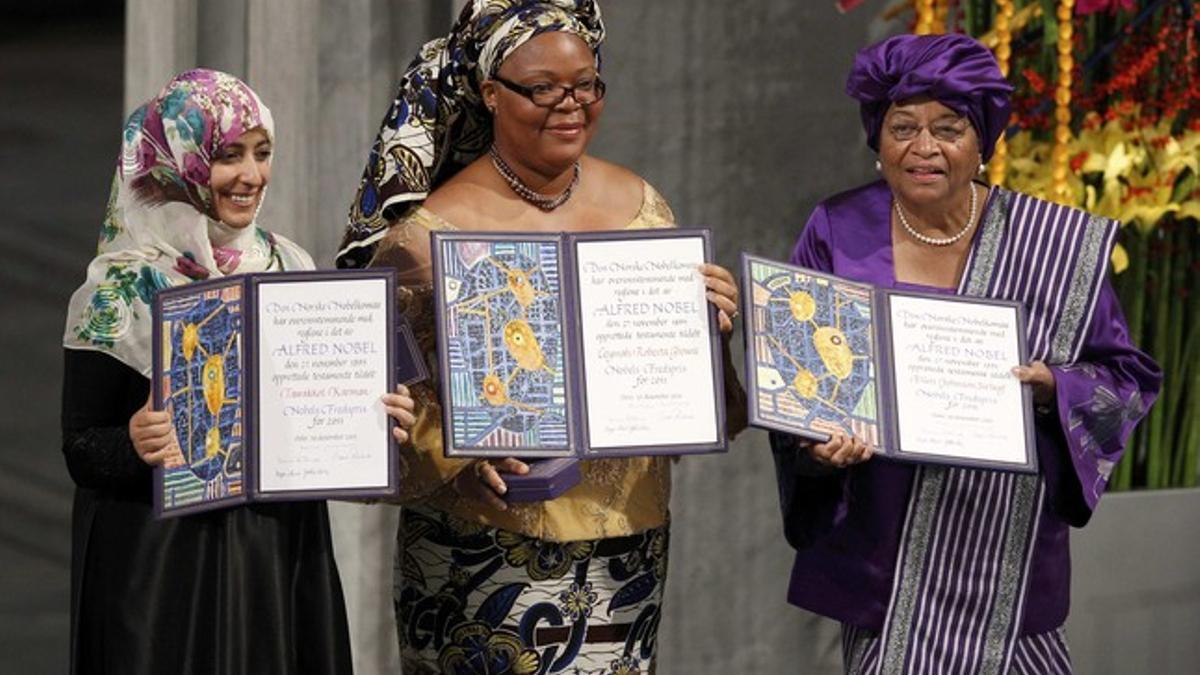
column 919, row 376
column 273, row 384
column 577, row 345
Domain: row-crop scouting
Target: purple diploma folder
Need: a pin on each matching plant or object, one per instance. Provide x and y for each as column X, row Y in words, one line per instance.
column 273, row 383
column 577, row 346
column 919, row 375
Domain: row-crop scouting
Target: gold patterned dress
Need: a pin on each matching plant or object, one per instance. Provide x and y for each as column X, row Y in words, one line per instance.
column 574, row 584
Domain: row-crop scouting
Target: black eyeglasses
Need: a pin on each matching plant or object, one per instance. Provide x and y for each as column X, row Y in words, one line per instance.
column 549, row 95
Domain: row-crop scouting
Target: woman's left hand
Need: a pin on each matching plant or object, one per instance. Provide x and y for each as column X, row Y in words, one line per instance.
column 399, row 406
column 722, row 292
column 1041, row 378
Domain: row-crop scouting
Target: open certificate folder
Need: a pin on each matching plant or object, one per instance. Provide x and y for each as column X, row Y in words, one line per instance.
column 919, row 376
column 273, row 382
column 585, row 346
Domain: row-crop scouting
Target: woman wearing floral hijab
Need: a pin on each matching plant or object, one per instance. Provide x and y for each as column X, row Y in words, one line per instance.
column 490, row 131
column 244, row 590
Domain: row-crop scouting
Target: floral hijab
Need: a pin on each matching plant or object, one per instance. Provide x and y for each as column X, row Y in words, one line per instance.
column 160, row 229
column 438, row 123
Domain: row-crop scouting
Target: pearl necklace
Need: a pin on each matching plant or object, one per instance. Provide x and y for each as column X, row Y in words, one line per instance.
column 934, row 241
column 527, row 193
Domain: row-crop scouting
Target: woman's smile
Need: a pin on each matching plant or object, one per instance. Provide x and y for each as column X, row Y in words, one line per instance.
column 567, row 130
column 238, row 208
column 244, row 200
column 925, row 173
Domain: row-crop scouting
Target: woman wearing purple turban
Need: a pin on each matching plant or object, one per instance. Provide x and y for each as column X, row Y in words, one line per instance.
column 952, row 570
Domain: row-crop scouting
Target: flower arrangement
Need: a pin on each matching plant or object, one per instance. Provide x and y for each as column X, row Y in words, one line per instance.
column 1107, row 118
column 1126, row 127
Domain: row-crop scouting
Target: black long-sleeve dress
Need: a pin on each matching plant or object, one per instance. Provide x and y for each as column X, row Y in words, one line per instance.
column 251, row 589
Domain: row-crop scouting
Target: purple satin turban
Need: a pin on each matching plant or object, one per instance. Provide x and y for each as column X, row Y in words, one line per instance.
column 955, row 70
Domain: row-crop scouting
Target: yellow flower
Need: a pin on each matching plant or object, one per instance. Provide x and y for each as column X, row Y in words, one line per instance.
column 1120, row 259
column 1118, row 164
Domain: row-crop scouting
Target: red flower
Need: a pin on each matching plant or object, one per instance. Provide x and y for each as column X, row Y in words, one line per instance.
column 1083, row 7
column 1035, row 80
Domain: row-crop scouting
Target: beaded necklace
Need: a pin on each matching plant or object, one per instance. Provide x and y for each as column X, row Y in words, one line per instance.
column 527, row 193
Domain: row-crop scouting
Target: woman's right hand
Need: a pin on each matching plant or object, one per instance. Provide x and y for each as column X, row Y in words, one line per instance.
column 153, row 437
column 481, row 480
column 840, row 451
column 400, row 407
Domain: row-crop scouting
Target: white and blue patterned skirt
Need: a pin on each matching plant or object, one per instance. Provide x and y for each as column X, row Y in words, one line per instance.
column 475, row 600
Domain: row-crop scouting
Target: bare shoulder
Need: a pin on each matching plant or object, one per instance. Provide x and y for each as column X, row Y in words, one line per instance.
column 617, row 187
column 451, row 201
column 461, row 199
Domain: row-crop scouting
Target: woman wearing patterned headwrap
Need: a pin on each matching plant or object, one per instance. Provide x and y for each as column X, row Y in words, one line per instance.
column 489, row 132
column 244, row 590
column 951, row 570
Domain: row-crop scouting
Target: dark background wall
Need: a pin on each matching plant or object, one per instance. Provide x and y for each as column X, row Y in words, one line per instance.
column 60, row 116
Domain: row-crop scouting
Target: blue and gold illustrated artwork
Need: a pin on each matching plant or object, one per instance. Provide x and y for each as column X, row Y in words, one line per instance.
column 813, row 352
column 504, row 335
column 202, row 387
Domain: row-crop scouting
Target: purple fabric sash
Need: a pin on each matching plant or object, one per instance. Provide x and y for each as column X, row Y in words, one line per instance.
column 963, row 566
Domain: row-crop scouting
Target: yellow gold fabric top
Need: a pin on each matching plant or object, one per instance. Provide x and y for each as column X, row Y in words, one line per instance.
column 615, row 497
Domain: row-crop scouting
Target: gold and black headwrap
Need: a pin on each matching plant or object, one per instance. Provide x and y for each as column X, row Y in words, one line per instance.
column 437, row 123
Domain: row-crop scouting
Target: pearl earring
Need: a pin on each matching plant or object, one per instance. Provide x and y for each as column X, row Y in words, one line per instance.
column 982, row 167
column 878, row 165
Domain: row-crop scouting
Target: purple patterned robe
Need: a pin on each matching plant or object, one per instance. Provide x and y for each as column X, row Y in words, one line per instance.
column 847, row 525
